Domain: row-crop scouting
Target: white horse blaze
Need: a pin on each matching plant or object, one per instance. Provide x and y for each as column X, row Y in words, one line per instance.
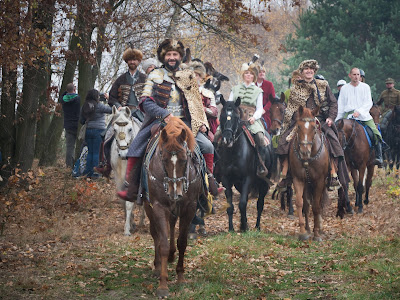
column 174, row 159
column 307, row 125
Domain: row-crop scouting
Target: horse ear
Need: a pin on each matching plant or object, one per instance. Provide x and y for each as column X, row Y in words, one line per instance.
column 164, row 136
column 222, row 100
column 339, row 124
column 301, row 110
column 128, row 112
column 315, row 111
column 182, row 136
column 282, row 99
column 114, row 110
column 238, row 101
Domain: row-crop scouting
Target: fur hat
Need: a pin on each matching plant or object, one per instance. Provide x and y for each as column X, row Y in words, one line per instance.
column 252, row 68
column 169, row 45
column 199, row 68
column 131, row 53
column 310, row 63
column 261, row 67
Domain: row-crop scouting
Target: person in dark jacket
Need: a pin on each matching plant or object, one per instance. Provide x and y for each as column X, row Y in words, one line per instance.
column 96, row 125
column 71, row 102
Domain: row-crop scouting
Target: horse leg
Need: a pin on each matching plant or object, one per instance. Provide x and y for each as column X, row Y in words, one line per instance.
column 299, row 188
column 317, row 210
column 360, row 189
column 229, row 194
column 184, row 222
column 289, row 195
column 368, row 182
column 263, row 190
column 306, row 208
column 129, row 222
column 341, row 203
column 142, row 215
column 172, row 247
column 153, row 232
column 244, row 196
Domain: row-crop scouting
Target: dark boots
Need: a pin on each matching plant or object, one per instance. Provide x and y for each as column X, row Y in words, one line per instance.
column 104, row 170
column 133, row 171
column 105, row 154
column 262, row 170
column 378, row 155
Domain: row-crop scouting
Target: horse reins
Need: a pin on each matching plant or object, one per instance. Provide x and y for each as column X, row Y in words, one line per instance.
column 121, row 136
column 306, row 162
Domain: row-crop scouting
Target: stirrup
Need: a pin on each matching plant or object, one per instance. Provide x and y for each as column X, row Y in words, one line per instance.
column 334, row 184
column 282, row 185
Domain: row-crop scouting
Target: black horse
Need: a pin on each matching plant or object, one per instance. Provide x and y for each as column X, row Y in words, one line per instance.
column 238, row 163
column 392, row 138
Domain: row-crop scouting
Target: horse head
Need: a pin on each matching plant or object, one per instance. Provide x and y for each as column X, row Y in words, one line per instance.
column 375, row 113
column 277, row 112
column 176, row 144
column 229, row 120
column 306, row 131
column 123, row 129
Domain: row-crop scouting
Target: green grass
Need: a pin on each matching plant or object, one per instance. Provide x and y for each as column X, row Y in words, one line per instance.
column 250, row 266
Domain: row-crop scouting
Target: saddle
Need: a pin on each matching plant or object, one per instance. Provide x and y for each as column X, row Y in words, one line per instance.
column 250, row 137
column 369, row 134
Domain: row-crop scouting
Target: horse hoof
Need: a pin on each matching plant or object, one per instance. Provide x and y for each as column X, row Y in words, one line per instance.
column 192, row 236
column 127, row 233
column 317, row 239
column 291, row 217
column 202, row 232
column 171, row 258
column 350, row 212
column 366, row 201
column 162, row 293
column 304, row 237
column 360, row 210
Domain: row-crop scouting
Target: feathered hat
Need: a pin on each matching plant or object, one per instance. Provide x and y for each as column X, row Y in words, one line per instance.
column 252, row 67
column 131, row 53
column 169, row 45
column 198, row 67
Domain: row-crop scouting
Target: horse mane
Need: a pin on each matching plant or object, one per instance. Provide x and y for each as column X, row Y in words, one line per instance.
column 173, row 131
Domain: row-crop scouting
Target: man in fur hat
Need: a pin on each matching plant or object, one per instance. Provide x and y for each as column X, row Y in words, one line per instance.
column 169, row 91
column 309, row 92
column 125, row 91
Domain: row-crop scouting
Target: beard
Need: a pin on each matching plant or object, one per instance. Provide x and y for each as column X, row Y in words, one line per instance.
column 175, row 65
column 132, row 67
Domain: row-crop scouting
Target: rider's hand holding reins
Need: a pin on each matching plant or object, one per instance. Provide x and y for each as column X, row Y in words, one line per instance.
column 329, row 121
column 251, row 120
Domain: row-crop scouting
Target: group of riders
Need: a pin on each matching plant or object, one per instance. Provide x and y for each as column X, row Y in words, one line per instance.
column 167, row 91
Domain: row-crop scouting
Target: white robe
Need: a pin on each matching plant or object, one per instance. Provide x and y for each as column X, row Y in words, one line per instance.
column 357, row 98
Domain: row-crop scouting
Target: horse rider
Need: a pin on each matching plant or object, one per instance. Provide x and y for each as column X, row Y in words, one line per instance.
column 169, row 91
column 251, row 103
column 295, row 76
column 389, row 98
column 268, row 89
column 208, row 97
column 339, row 85
column 355, row 101
column 310, row 92
column 362, row 76
column 124, row 92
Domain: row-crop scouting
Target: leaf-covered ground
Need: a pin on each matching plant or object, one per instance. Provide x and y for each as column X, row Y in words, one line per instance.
column 62, row 238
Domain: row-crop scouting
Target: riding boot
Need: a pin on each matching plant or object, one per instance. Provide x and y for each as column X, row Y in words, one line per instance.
column 212, row 184
column 132, row 179
column 378, row 155
column 262, row 170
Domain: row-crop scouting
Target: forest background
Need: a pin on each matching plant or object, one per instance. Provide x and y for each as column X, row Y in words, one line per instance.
column 44, row 45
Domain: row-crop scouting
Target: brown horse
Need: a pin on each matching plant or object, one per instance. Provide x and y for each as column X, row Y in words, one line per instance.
column 359, row 156
column 309, row 166
column 276, row 112
column 174, row 185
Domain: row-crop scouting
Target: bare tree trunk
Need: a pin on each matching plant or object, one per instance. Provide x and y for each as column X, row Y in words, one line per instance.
column 35, row 79
column 49, row 154
column 172, row 28
column 7, row 116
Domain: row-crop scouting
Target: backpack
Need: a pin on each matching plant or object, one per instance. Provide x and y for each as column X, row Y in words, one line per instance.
column 88, row 109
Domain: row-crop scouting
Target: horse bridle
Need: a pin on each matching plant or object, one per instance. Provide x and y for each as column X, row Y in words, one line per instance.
column 121, row 136
column 305, row 162
column 345, row 141
column 229, row 129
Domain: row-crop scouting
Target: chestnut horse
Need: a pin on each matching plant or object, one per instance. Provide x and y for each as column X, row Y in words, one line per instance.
column 359, row 156
column 277, row 112
column 174, row 185
column 309, row 166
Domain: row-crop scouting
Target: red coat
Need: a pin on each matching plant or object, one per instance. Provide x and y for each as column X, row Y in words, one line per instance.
column 268, row 89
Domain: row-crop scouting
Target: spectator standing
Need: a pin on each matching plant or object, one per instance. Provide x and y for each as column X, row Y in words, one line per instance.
column 71, row 105
column 95, row 120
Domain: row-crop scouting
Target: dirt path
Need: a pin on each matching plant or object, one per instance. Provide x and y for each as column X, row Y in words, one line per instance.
column 54, row 225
